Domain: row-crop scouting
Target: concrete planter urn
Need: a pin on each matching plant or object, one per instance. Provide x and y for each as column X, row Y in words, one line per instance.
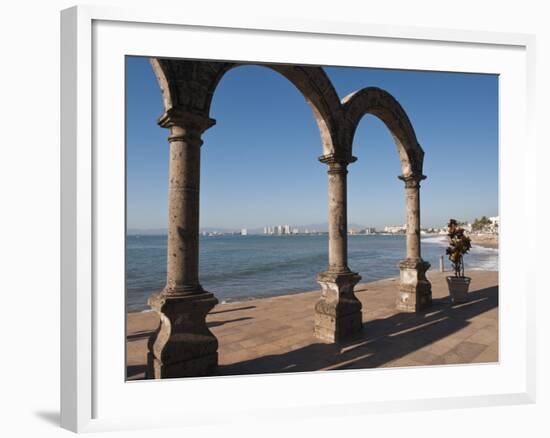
column 458, row 288
column 459, row 245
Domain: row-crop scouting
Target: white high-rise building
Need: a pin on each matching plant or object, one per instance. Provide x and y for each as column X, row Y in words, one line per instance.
column 244, row 232
column 394, row 229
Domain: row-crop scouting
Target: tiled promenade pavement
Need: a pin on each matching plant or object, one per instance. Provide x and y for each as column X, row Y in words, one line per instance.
column 276, row 334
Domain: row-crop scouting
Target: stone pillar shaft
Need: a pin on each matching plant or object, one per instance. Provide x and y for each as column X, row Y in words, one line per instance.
column 183, row 212
column 183, row 345
column 338, row 221
column 338, row 213
column 412, row 204
column 338, row 311
column 415, row 292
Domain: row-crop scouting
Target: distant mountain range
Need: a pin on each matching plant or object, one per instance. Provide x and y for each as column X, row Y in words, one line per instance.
column 161, row 231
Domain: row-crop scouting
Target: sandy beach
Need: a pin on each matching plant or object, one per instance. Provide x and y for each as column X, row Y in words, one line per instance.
column 485, row 240
column 276, row 334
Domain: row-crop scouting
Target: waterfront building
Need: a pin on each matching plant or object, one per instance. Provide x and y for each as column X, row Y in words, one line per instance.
column 395, row 229
column 495, row 221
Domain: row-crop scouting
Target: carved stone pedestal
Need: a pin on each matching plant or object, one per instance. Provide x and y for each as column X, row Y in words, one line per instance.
column 415, row 291
column 182, row 346
column 338, row 311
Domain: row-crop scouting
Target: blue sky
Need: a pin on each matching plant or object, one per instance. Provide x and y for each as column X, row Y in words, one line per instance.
column 259, row 162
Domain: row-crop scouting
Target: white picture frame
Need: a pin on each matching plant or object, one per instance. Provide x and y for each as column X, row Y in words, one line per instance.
column 93, row 398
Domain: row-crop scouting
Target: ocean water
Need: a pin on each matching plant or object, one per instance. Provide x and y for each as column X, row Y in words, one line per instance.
column 242, row 267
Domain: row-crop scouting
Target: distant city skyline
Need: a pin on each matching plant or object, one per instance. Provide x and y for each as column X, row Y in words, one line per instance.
column 259, row 162
column 303, row 228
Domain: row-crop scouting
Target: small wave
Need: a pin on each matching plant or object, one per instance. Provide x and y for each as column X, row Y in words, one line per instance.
column 439, row 240
column 476, row 248
column 483, row 249
column 489, row 265
column 271, row 266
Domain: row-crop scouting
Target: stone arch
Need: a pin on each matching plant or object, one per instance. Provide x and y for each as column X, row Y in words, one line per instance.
column 183, row 345
column 380, row 103
column 189, row 86
column 414, row 288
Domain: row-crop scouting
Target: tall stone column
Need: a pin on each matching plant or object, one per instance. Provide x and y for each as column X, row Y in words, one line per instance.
column 415, row 291
column 338, row 311
column 183, row 345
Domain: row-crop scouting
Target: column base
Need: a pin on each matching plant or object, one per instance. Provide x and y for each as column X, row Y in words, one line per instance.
column 338, row 312
column 182, row 346
column 415, row 291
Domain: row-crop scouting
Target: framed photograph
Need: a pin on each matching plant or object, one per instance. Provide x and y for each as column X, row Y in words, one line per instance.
column 253, row 209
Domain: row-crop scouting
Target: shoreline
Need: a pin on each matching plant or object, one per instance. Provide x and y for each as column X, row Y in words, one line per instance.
column 275, row 334
column 479, row 241
column 482, row 240
column 360, row 286
column 485, row 240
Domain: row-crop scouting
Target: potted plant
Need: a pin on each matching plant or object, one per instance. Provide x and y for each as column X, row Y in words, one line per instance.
column 459, row 245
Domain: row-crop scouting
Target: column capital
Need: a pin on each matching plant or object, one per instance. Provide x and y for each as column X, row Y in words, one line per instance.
column 337, row 159
column 412, row 181
column 186, row 121
column 337, row 163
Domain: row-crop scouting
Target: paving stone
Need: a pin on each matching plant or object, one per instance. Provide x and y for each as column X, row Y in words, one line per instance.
column 465, row 352
column 276, row 334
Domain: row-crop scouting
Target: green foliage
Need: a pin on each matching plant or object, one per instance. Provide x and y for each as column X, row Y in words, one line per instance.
column 459, row 245
column 480, row 224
